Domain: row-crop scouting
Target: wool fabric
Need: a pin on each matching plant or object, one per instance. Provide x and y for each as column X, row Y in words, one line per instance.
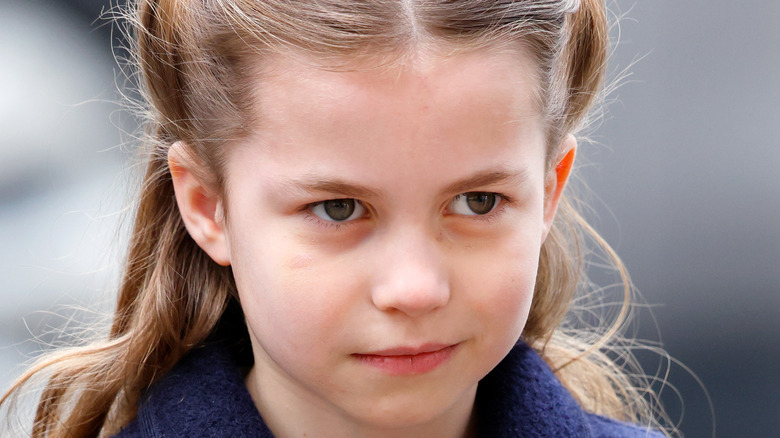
column 204, row 395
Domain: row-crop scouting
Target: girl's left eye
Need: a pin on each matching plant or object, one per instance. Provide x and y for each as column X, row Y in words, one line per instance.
column 338, row 210
column 474, row 203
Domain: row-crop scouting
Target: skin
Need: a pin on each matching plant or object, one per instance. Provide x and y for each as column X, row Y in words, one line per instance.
column 416, row 268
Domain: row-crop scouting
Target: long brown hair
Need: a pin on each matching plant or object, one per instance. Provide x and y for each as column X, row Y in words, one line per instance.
column 194, row 63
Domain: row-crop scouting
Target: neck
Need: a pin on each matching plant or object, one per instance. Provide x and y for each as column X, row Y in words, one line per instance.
column 290, row 414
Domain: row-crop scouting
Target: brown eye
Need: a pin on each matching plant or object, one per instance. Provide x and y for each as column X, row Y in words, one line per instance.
column 475, row 203
column 481, row 203
column 338, row 210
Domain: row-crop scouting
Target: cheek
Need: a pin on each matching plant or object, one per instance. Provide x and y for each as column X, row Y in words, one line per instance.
column 290, row 301
column 500, row 281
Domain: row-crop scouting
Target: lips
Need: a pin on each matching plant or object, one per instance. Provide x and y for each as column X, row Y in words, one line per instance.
column 400, row 361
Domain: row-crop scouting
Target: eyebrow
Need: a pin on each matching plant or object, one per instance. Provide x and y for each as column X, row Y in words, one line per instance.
column 315, row 184
column 486, row 178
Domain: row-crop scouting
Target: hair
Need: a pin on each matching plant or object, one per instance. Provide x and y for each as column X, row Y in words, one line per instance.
column 194, row 60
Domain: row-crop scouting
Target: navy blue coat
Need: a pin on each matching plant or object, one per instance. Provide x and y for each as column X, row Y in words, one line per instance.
column 205, row 396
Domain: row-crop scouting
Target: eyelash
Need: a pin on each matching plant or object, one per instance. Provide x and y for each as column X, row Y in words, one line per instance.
column 494, row 214
column 334, row 225
column 327, row 225
column 309, row 216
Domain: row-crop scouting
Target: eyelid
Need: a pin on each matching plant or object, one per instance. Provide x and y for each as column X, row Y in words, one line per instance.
column 333, row 224
column 503, row 201
column 319, row 222
column 494, row 213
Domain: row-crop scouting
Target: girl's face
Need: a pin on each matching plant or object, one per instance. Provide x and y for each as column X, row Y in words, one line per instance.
column 384, row 230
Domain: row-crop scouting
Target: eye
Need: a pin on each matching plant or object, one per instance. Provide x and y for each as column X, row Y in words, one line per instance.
column 474, row 203
column 338, row 210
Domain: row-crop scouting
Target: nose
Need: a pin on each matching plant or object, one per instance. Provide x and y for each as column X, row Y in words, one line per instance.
column 410, row 275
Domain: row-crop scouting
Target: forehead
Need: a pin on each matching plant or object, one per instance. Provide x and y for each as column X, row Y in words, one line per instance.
column 505, row 76
column 469, row 107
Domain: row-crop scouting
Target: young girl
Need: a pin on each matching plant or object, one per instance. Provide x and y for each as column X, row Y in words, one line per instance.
column 353, row 224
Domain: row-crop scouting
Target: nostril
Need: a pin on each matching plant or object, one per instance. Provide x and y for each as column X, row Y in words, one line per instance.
column 410, row 273
column 413, row 296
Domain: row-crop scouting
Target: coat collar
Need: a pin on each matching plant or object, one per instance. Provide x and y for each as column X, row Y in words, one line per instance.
column 521, row 397
column 205, row 395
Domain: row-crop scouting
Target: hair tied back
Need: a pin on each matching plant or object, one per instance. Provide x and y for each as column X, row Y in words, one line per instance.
column 572, row 6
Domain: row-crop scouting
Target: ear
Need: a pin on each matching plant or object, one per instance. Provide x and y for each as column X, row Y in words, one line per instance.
column 556, row 180
column 200, row 206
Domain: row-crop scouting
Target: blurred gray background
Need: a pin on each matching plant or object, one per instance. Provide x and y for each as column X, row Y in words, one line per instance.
column 685, row 167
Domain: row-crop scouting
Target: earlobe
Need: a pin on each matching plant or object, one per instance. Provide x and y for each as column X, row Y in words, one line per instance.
column 199, row 205
column 557, row 179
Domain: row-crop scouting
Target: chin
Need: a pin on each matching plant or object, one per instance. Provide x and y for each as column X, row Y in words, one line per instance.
column 412, row 411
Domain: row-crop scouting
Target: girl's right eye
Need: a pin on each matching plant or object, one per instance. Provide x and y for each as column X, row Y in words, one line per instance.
column 338, row 210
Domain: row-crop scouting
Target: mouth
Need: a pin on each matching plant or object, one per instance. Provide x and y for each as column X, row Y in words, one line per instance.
column 401, row 361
